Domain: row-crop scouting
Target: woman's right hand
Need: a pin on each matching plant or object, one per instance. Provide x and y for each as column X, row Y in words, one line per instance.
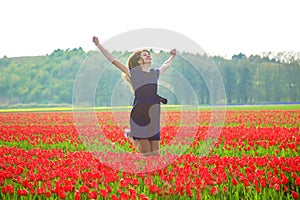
column 95, row 40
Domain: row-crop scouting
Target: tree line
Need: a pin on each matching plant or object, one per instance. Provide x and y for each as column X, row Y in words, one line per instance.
column 50, row 79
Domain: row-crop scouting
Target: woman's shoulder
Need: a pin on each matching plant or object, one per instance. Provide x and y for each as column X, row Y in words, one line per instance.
column 155, row 72
column 152, row 70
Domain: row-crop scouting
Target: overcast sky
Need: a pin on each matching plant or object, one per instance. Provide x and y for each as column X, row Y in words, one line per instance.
column 220, row 27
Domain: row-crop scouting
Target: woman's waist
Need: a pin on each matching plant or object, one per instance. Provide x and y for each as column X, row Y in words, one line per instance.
column 149, row 99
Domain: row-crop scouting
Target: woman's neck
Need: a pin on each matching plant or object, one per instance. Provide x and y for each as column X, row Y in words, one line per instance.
column 145, row 67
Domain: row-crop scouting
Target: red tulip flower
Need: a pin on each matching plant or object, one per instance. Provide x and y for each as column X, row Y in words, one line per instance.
column 295, row 195
column 234, row 181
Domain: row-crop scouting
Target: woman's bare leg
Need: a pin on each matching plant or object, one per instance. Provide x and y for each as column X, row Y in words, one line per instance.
column 154, row 147
column 130, row 138
column 144, row 146
column 134, row 142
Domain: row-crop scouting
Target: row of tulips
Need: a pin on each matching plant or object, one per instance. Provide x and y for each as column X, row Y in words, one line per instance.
column 263, row 118
column 231, row 140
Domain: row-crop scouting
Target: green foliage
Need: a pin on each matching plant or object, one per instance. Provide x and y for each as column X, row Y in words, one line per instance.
column 50, row 79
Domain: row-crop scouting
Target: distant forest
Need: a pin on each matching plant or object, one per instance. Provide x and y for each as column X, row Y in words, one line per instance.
column 49, row 79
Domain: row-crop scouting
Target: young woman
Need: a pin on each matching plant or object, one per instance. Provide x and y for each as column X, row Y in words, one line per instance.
column 145, row 114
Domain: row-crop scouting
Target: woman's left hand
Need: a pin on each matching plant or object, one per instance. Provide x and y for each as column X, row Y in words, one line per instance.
column 173, row 52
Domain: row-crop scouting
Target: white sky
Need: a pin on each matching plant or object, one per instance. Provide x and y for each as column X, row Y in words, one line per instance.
column 220, row 27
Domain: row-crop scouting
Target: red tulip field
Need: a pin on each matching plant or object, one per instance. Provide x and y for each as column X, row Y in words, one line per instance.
column 255, row 156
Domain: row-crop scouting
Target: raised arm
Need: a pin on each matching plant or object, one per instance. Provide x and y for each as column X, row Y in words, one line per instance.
column 168, row 62
column 111, row 57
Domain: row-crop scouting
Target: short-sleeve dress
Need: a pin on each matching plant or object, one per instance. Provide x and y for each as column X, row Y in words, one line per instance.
column 145, row 113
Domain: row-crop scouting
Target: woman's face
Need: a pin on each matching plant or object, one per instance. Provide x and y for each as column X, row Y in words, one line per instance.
column 146, row 57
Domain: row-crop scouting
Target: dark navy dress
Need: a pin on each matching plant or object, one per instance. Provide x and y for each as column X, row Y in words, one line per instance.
column 145, row 114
